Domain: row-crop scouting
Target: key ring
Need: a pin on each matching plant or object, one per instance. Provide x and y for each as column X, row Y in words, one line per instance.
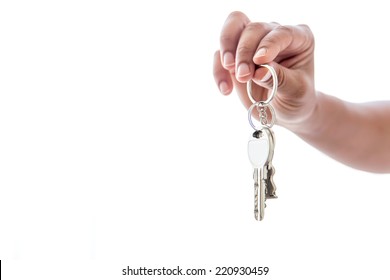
column 261, row 104
column 274, row 86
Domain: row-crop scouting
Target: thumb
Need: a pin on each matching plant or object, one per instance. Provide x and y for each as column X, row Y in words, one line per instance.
column 286, row 78
column 292, row 83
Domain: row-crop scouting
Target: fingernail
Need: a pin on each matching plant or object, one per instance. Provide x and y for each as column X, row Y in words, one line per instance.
column 243, row 70
column 261, row 52
column 228, row 59
column 223, row 87
column 266, row 77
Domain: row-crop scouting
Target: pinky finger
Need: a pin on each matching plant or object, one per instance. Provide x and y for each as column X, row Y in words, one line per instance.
column 222, row 76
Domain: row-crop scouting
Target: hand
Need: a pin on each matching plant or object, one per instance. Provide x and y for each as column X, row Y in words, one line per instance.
column 289, row 49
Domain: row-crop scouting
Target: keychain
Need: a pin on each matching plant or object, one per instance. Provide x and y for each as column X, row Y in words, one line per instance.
column 261, row 147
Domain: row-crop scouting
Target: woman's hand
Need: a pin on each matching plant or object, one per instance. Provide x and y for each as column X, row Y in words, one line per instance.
column 289, row 49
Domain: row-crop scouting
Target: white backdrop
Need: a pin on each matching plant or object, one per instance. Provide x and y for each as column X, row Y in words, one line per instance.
column 117, row 149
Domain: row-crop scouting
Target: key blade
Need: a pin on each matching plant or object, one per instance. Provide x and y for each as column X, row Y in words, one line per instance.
column 259, row 194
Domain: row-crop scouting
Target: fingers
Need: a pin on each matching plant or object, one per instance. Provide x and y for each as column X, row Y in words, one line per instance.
column 247, row 45
column 284, row 48
column 230, row 35
column 263, row 77
column 224, row 60
column 291, row 83
column 238, row 43
column 283, row 42
column 221, row 75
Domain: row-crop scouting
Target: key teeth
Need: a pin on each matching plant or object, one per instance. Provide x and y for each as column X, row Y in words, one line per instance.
column 271, row 188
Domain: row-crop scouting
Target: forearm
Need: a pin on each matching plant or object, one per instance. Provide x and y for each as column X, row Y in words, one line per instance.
column 356, row 134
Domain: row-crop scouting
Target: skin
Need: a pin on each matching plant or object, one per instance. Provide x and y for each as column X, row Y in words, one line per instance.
column 357, row 135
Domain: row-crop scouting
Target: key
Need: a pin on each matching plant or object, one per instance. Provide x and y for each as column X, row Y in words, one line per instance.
column 270, row 171
column 260, row 152
column 271, row 188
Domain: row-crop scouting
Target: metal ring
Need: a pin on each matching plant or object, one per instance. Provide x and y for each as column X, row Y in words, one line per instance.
column 274, row 86
column 271, row 109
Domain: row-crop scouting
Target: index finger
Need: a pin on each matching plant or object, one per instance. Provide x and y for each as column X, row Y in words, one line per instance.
column 284, row 42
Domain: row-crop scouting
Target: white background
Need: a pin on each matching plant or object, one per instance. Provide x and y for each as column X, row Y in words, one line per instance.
column 117, row 149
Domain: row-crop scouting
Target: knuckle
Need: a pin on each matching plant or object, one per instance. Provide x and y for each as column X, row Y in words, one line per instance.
column 279, row 34
column 244, row 50
column 256, row 26
column 283, row 29
column 274, row 23
column 305, row 27
column 307, row 35
column 236, row 14
column 308, row 31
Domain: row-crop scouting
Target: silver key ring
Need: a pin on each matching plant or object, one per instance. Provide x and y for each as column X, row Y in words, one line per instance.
column 261, row 104
column 274, row 86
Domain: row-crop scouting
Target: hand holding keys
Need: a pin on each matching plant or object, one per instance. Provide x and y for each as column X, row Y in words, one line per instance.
column 261, row 148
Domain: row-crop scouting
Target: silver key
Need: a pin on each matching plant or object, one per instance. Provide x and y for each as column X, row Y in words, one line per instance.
column 260, row 152
column 271, row 188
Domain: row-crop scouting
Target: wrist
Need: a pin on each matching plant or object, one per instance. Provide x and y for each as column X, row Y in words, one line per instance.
column 316, row 118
